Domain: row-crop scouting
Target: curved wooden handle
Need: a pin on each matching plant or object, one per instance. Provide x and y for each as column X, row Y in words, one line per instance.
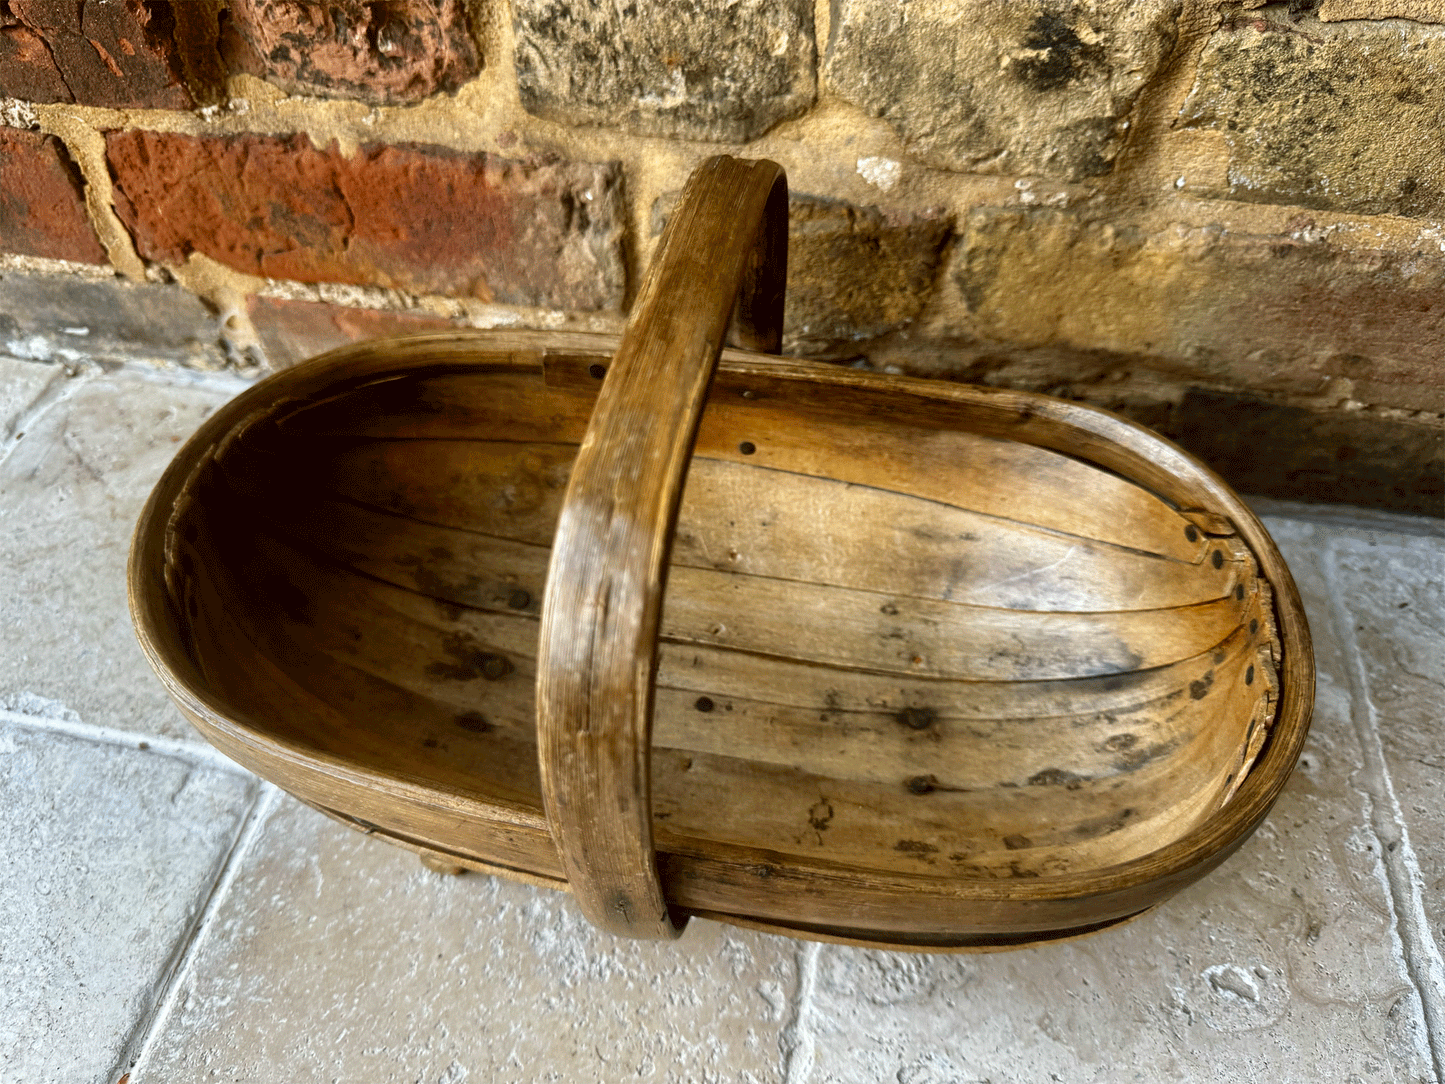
column 722, row 258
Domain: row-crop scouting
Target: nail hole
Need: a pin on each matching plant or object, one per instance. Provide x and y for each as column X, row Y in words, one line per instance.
column 1192, row 533
column 704, row 703
column 1218, row 559
column 1239, row 591
column 597, row 369
column 1249, row 676
column 1253, row 627
column 747, row 447
column 918, row 718
column 519, row 599
column 922, row 784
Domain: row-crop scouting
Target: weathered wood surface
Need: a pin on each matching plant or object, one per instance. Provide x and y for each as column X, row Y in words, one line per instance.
column 721, row 256
column 385, row 727
column 936, row 666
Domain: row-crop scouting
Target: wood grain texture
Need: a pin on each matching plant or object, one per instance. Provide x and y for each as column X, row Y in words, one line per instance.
column 719, row 256
column 937, row 667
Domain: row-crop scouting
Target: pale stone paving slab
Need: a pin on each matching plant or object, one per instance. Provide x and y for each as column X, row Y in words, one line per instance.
column 70, row 491
column 336, row 956
column 1393, row 588
column 1283, row 966
column 109, row 855
column 21, row 384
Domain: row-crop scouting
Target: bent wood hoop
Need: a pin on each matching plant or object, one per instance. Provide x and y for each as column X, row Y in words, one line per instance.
column 937, row 667
column 598, row 649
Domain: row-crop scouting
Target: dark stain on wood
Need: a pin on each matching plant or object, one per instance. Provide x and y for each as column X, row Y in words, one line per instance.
column 820, row 815
column 474, row 722
column 470, row 661
column 1198, row 690
column 1017, row 843
column 293, row 601
column 922, row 784
column 1102, row 826
column 915, row 847
column 1057, row 777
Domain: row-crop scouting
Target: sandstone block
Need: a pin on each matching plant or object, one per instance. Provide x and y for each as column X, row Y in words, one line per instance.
column 417, row 218
column 725, row 70
column 123, row 53
column 75, row 320
column 292, row 331
column 1001, row 86
column 1343, row 116
column 854, row 273
column 1331, row 456
column 1271, row 314
column 1422, row 11
column 42, row 205
column 385, row 54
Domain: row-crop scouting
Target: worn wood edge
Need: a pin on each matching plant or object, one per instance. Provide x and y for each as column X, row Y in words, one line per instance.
column 1167, row 869
column 430, row 850
column 607, row 571
column 923, row 945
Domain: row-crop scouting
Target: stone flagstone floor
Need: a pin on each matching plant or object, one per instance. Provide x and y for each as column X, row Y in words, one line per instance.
column 168, row 917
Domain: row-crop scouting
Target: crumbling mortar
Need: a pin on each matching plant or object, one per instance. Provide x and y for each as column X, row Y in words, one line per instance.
column 86, row 146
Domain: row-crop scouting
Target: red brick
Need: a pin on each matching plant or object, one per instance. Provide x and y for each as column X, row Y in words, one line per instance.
column 416, row 218
column 386, row 54
column 42, row 206
column 121, row 53
column 293, row 331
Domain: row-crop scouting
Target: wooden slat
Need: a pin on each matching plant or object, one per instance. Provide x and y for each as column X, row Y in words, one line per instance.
column 438, row 653
column 739, row 517
column 958, row 468
column 833, row 626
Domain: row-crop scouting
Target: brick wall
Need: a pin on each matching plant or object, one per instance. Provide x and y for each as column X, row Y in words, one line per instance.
column 1224, row 219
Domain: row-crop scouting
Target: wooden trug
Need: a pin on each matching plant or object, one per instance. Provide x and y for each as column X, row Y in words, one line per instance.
column 825, row 652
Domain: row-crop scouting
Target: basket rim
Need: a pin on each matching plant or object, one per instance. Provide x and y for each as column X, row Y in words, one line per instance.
column 1025, row 413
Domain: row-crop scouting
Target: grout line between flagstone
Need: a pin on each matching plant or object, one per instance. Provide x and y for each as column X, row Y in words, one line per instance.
column 139, row 1049
column 1404, row 880
column 800, row 1044
column 61, row 386
column 196, row 752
